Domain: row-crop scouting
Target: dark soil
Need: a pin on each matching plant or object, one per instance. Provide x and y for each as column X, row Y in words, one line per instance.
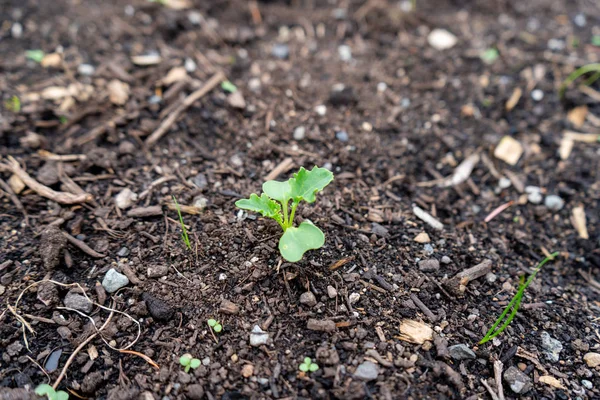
column 407, row 115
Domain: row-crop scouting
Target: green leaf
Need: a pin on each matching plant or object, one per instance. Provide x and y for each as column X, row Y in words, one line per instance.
column 280, row 191
column 212, row 322
column 296, row 241
column 61, row 395
column 263, row 205
column 45, row 390
column 596, row 40
column 307, row 360
column 490, row 55
column 303, row 367
column 195, row 363
column 228, row 87
column 313, row 367
column 35, row 55
column 218, row 328
column 305, row 184
column 185, row 359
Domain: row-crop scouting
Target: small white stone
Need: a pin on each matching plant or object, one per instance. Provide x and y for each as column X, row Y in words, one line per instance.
column 382, row 87
column 16, row 30
column 354, row 297
column 537, row 95
column 345, row 53
column 86, row 69
column 504, row 183
column 299, row 133
column 222, row 276
column 125, row 198
column 258, row 337
column 189, row 65
column 321, row 110
column 441, row 39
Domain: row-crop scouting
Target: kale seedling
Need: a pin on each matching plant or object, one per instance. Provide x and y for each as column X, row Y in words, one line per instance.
column 215, row 325
column 48, row 391
column 308, row 365
column 274, row 203
column 187, row 361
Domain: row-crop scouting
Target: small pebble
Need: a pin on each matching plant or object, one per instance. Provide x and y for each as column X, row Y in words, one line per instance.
column 281, row 51
column 195, row 17
column 345, row 53
column 258, row 337
column 491, row 277
column 123, row 252
column 189, row 65
column 114, row 281
column 441, row 39
column 321, row 110
column 342, row 136
column 580, row 20
column 556, row 44
column 367, row 371
column 461, row 352
column 354, row 297
column 551, row 346
column 504, row 183
column 86, row 69
column 299, row 133
column 16, row 30
column 331, row 292
column 554, row 202
column 308, row 299
column 382, row 87
column 537, row 94
column 446, row 260
column 587, row 384
column 428, row 249
column 78, row 302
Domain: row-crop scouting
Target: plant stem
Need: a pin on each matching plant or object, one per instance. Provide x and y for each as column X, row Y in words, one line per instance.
column 291, row 220
column 284, row 207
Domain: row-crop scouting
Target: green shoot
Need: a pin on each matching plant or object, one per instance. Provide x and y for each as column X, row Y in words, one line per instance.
column 489, row 56
column 228, row 87
column 596, row 40
column 51, row 394
column 275, row 202
column 514, row 304
column 13, row 104
column 308, row 365
column 215, row 325
column 586, row 69
column 35, row 55
column 188, row 361
column 184, row 234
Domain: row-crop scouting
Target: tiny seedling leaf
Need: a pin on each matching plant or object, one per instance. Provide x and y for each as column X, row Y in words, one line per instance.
column 304, row 367
column 218, row 328
column 489, row 56
column 185, row 360
column 35, row 55
column 296, row 241
column 305, row 184
column 313, row 367
column 212, row 322
column 307, row 360
column 45, row 390
column 62, row 395
column 263, row 205
column 280, row 191
column 228, row 87
column 195, row 363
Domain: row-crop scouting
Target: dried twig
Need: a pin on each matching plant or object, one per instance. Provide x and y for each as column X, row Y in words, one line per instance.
column 82, row 246
column 498, row 377
column 282, row 167
column 497, row 211
column 15, row 199
column 60, row 197
column 187, row 102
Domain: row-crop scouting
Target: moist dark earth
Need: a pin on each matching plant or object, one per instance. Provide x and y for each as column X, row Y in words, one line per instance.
column 406, row 117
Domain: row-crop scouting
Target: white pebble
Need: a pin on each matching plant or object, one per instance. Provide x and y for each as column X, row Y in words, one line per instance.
column 537, row 94
column 441, row 39
column 299, row 133
column 16, row 30
column 345, row 53
column 321, row 110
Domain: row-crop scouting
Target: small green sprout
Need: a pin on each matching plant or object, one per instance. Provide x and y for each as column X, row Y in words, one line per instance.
column 184, row 234
column 586, row 69
column 35, row 55
column 13, row 104
column 308, row 365
column 596, row 40
column 489, row 56
column 514, row 304
column 48, row 391
column 228, row 87
column 215, row 325
column 187, row 361
column 274, row 202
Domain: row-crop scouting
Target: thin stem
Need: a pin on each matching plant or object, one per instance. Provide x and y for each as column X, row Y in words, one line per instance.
column 284, row 207
column 291, row 220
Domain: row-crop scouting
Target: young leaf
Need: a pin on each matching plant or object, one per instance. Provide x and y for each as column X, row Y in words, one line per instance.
column 305, row 184
column 185, row 359
column 45, row 390
column 218, row 328
column 263, row 205
column 303, row 367
column 280, row 191
column 195, row 363
column 62, row 395
column 296, row 241
column 212, row 322
column 313, row 367
column 307, row 360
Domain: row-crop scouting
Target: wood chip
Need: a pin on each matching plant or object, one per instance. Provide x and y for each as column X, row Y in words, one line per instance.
column 579, row 223
column 552, row 381
column 174, row 75
column 462, row 172
column 422, row 237
column 566, row 146
column 118, row 92
column 428, row 218
column 458, row 283
column 508, row 150
column 582, row 137
column 52, row 60
column 16, row 184
column 415, row 332
column 146, row 59
column 514, row 99
column 577, row 116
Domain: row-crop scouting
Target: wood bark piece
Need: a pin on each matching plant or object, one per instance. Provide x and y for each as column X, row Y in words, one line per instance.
column 60, row 197
column 82, row 246
column 458, row 283
column 142, row 212
column 187, row 102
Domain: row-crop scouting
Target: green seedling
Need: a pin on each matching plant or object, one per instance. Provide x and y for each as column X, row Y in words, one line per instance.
column 274, row 201
column 35, row 55
column 594, row 69
column 215, row 325
column 187, row 361
column 228, row 87
column 13, row 104
column 184, row 234
column 596, row 40
column 48, row 391
column 514, row 304
column 489, row 56
column 308, row 365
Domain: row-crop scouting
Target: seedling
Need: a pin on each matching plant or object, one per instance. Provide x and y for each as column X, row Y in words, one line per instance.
column 13, row 104
column 274, row 201
column 187, row 361
column 215, row 325
column 228, row 87
column 184, row 234
column 596, row 40
column 586, row 69
column 35, row 55
column 48, row 391
column 308, row 365
column 514, row 304
column 489, row 56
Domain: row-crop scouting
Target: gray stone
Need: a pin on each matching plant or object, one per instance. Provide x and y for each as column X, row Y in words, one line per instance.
column 587, row 384
column 86, row 69
column 258, row 337
column 158, row 271
column 354, row 297
column 200, row 181
column 78, row 302
column 461, row 352
column 367, row 371
column 299, row 133
column 308, row 299
column 281, row 51
column 551, row 346
column 446, row 260
column 517, row 380
column 114, row 281
column 331, row 292
column 491, row 277
column 123, row 252
column 554, row 202
column 534, row 197
column 342, row 136
column 430, row 265
column 325, row 325
column 345, row 53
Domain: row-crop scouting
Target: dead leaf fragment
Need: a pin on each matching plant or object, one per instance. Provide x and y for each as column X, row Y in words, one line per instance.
column 552, row 381
column 177, row 4
column 54, row 93
column 175, row 75
column 578, row 221
column 514, row 99
column 118, row 92
column 566, row 146
column 508, row 150
column 577, row 116
column 52, row 60
column 415, row 332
